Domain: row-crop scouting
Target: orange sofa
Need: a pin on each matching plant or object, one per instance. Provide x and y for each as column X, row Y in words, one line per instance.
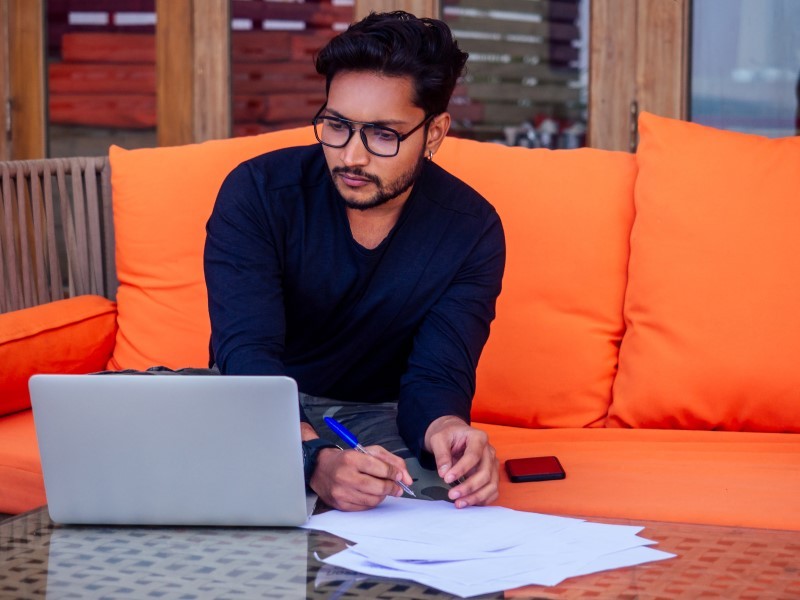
column 647, row 334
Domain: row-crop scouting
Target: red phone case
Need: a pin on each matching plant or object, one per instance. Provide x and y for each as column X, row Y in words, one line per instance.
column 536, row 468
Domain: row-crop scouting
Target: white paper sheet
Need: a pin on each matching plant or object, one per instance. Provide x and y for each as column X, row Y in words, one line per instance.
column 479, row 528
column 478, row 550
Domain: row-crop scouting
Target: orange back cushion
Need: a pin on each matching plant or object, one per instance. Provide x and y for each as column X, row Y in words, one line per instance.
column 713, row 303
column 551, row 357
column 162, row 200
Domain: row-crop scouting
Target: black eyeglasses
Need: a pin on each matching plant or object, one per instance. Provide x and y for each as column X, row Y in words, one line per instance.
column 336, row 132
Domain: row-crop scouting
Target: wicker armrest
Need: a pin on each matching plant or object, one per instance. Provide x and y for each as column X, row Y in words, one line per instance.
column 57, row 238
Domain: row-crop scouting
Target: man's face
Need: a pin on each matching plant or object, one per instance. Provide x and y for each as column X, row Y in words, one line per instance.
column 364, row 180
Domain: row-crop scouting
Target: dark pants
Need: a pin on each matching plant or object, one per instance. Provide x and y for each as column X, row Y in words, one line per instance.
column 374, row 424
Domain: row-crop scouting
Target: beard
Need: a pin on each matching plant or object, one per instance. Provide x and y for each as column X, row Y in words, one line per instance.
column 384, row 193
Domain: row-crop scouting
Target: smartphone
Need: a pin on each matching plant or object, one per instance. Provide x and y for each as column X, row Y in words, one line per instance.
column 535, row 468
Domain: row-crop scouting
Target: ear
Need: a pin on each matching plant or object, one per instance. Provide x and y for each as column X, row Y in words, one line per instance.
column 437, row 130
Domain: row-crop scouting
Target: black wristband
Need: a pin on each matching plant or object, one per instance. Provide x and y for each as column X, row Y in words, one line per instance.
column 311, row 450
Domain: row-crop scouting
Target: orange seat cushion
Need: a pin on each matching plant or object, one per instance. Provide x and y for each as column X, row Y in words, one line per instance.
column 21, row 483
column 162, row 200
column 552, row 353
column 75, row 335
column 713, row 477
column 712, row 304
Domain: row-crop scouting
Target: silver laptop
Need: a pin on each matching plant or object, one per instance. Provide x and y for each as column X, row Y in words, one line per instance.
column 170, row 450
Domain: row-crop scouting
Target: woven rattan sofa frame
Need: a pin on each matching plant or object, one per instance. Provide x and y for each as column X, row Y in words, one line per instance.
column 56, row 231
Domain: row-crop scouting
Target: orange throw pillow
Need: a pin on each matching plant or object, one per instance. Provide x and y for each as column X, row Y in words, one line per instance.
column 551, row 357
column 162, row 200
column 66, row 336
column 713, row 301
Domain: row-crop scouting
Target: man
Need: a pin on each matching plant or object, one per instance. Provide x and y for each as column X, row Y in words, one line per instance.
column 367, row 273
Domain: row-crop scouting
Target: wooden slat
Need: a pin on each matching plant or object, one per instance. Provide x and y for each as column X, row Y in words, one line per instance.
column 420, row 8
column 27, row 79
column 545, row 29
column 560, row 53
column 503, row 114
column 89, row 78
column 532, row 7
column 503, row 47
column 518, row 71
column 175, row 81
column 132, row 111
column 212, row 70
column 472, row 111
column 260, row 46
column 313, row 14
column 552, row 10
column 56, row 32
column 63, row 6
column 564, row 11
column 246, row 46
column 662, row 57
column 276, row 77
column 273, row 46
column 255, row 128
column 290, row 68
column 304, row 47
column 277, row 85
column 478, row 131
column 277, row 107
column 109, row 47
column 508, row 92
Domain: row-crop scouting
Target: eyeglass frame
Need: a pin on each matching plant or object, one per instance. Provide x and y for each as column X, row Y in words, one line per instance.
column 400, row 137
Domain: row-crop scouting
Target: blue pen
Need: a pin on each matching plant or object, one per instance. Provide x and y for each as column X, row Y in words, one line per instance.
column 351, row 441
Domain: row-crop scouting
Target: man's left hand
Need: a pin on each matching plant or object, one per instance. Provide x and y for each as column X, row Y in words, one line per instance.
column 463, row 451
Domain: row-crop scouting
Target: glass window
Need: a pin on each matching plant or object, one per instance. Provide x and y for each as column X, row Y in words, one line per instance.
column 745, row 71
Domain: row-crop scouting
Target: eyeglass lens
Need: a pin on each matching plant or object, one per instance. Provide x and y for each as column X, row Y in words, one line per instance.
column 336, row 133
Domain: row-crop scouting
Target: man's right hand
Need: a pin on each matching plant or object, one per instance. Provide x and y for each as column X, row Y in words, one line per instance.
column 349, row 480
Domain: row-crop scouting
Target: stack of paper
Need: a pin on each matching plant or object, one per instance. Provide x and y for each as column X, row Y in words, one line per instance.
column 481, row 550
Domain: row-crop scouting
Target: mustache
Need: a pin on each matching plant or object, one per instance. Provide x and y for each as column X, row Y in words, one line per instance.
column 357, row 173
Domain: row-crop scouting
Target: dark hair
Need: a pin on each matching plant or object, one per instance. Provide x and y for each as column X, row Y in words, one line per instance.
column 399, row 44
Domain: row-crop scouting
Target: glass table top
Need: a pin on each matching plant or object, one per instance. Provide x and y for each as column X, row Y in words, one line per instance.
column 41, row 560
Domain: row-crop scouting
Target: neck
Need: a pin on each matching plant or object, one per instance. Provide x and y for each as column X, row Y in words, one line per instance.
column 370, row 227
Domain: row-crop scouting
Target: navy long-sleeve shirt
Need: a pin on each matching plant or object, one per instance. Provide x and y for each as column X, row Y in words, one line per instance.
column 292, row 293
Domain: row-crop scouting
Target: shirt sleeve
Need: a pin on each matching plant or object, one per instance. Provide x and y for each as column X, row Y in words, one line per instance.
column 440, row 377
column 242, row 263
